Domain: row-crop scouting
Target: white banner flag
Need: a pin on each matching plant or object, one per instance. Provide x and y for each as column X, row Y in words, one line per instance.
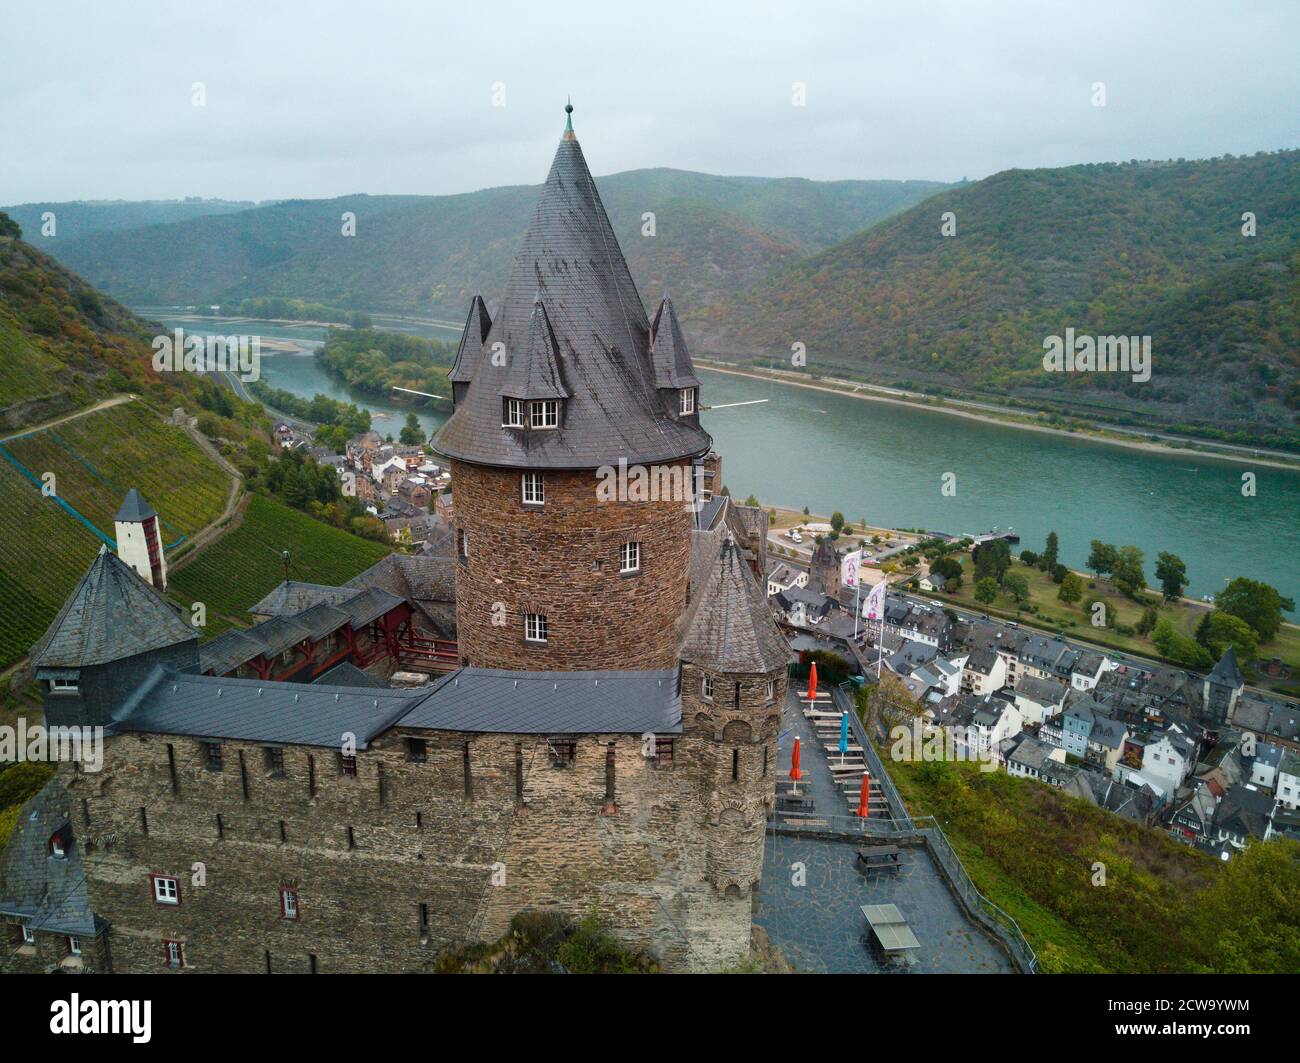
column 849, row 568
column 873, row 607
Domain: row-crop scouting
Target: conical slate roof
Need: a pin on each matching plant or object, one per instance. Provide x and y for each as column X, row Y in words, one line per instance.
column 732, row 630
column 1226, row 672
column 671, row 360
column 537, row 374
column 471, row 342
column 111, row 615
column 135, row 508
column 571, row 263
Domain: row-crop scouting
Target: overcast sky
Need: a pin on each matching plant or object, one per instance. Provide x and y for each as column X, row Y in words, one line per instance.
column 323, row 99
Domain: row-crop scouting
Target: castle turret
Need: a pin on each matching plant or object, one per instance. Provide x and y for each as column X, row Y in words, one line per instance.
column 1222, row 688
column 111, row 633
column 573, row 447
column 824, row 571
column 139, row 540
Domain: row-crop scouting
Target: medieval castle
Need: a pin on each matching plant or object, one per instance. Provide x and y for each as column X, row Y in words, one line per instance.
column 596, row 726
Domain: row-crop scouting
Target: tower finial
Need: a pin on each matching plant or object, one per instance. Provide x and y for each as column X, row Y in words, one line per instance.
column 568, row 119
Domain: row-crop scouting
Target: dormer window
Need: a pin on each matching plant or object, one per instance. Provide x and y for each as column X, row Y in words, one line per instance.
column 686, row 405
column 512, row 413
column 545, row 413
column 63, row 686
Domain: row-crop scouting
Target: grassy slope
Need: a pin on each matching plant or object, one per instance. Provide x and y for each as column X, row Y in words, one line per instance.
column 1107, row 249
column 44, row 551
column 245, row 565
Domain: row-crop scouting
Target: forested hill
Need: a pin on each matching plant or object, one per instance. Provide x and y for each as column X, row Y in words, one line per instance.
column 434, row 253
column 1135, row 249
column 75, row 219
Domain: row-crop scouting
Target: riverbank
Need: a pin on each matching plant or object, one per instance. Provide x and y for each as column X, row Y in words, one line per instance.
column 1186, row 445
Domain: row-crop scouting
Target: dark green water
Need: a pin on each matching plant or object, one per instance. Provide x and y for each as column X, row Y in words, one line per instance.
column 886, row 464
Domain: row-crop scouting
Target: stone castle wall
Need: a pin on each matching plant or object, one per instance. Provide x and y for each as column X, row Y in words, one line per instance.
column 562, row 559
column 669, row 865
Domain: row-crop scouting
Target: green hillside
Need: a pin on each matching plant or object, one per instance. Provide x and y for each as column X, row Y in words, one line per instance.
column 77, row 218
column 433, row 253
column 45, row 549
column 1095, row 893
column 1137, row 249
column 245, row 565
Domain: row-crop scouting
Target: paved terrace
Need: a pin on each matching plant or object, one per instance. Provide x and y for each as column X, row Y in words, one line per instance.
column 818, row 925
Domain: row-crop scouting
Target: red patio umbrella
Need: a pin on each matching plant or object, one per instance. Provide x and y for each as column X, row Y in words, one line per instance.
column 864, row 796
column 795, row 773
column 812, row 682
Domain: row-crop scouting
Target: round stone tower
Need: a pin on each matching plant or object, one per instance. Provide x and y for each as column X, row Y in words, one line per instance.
column 574, row 449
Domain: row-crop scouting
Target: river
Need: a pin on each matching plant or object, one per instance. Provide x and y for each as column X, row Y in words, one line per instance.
column 888, row 464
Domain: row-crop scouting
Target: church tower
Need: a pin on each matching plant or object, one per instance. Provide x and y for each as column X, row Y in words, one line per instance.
column 139, row 541
column 573, row 447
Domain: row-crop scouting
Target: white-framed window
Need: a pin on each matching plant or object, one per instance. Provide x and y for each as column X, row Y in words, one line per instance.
column 535, row 627
column 56, row 847
column 771, row 690
column 29, row 935
column 534, row 489
column 63, row 686
column 175, row 954
column 629, row 557
column 166, row 890
column 706, row 688
column 545, row 414
column 512, row 413
column 686, row 405
column 289, row 902
column 462, row 543
column 74, row 946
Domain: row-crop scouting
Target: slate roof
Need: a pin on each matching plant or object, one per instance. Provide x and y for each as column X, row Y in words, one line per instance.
column 292, row 597
column 598, row 702
column 1244, row 812
column 730, row 629
column 1226, row 672
column 45, row 891
column 135, row 508
column 347, row 674
column 228, row 651
column 370, row 604
column 1041, row 691
column 570, row 260
column 472, row 337
column 672, row 362
column 254, row 710
column 112, row 614
column 413, row 577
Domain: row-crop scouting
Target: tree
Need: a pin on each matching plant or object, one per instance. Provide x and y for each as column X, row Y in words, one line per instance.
column 1179, row 648
column 1256, row 603
column 1072, row 588
column 986, row 590
column 837, row 521
column 1172, row 574
column 1059, row 572
column 1028, row 557
column 992, row 559
column 751, row 501
column 1219, row 630
column 1048, row 557
column 948, row 567
column 1016, row 584
column 1147, row 621
column 1102, row 558
column 1127, row 571
column 412, row 434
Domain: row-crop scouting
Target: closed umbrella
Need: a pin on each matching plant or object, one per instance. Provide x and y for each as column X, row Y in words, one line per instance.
column 795, row 773
column 844, row 735
column 864, row 796
column 812, row 682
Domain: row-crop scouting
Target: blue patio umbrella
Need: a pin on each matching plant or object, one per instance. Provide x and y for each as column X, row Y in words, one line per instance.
column 844, row 734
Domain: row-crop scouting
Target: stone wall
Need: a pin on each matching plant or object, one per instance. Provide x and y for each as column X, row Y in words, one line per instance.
column 668, row 865
column 562, row 559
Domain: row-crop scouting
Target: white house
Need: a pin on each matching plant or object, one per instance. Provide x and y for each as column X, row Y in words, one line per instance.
column 1263, row 769
column 1087, row 670
column 1167, row 759
column 985, row 672
column 781, row 577
column 1038, row 699
column 1288, row 780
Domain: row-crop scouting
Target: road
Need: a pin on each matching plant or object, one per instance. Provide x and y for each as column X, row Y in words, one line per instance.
column 116, row 400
